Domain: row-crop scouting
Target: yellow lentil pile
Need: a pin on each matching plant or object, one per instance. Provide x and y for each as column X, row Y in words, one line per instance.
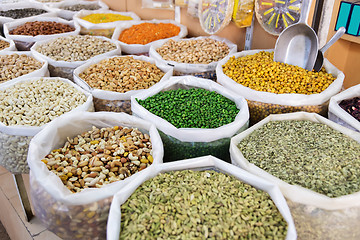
column 105, row 17
column 261, row 73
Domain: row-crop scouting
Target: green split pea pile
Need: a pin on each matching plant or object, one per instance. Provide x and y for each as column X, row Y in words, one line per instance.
column 192, row 108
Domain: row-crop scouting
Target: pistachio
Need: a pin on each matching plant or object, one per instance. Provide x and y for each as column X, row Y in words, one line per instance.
column 200, row 204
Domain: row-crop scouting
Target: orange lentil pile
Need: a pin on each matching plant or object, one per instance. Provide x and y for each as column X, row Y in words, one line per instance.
column 148, row 32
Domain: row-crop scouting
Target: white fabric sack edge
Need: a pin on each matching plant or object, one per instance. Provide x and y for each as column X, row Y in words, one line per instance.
column 110, row 95
column 335, row 109
column 67, row 14
column 296, row 193
column 27, row 38
column 200, row 163
column 42, row 72
column 289, row 99
column 142, row 48
column 21, row 130
column 74, row 64
column 25, row 4
column 70, row 125
column 11, row 47
column 89, row 25
column 187, row 67
column 193, row 134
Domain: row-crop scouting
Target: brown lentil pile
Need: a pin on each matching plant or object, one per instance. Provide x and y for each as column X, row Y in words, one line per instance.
column 122, row 74
column 4, row 44
column 194, row 51
column 41, row 28
column 100, row 156
column 15, row 65
column 261, row 73
column 75, row 48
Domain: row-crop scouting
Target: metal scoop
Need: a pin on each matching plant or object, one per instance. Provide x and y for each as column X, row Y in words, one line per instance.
column 320, row 56
column 298, row 43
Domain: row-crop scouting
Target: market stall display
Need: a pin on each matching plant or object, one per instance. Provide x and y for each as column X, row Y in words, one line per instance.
column 66, row 53
column 184, row 133
column 136, row 37
column 129, row 75
column 344, row 108
column 67, row 9
column 271, row 87
column 83, row 215
column 314, row 162
column 193, row 56
column 179, row 187
column 19, row 65
column 25, row 32
column 26, row 106
column 102, row 22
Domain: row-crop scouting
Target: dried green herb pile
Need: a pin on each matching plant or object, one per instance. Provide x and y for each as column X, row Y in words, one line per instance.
column 197, row 205
column 192, row 108
column 306, row 153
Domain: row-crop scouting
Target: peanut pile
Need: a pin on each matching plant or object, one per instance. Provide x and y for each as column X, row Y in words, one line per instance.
column 122, row 74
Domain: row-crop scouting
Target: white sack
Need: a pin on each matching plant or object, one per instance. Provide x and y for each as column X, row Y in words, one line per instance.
column 201, row 163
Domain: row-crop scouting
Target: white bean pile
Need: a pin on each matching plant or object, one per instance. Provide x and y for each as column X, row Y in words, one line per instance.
column 37, row 102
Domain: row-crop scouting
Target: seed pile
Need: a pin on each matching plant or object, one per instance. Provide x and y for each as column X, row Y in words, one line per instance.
column 79, row 7
column 306, row 153
column 4, row 44
column 194, row 51
column 100, row 156
column 22, row 12
column 192, row 108
column 41, row 28
column 105, row 17
column 75, row 48
column 261, row 73
column 198, row 205
column 15, row 65
column 122, row 74
column 148, row 32
column 37, row 102
column 352, row 106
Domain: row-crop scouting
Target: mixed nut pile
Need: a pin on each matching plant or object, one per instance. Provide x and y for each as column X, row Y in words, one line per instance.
column 15, row 65
column 75, row 48
column 198, row 205
column 100, row 156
